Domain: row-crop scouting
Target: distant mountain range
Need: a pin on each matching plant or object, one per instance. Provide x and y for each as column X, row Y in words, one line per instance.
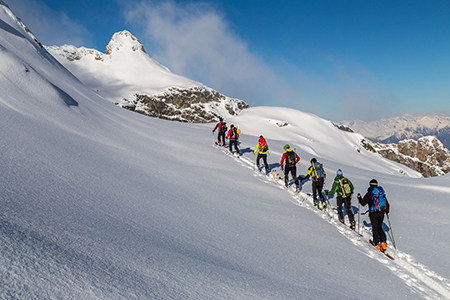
column 407, row 126
column 127, row 76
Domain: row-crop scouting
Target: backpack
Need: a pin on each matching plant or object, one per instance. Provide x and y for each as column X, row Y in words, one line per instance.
column 378, row 200
column 290, row 157
column 235, row 133
column 319, row 172
column 223, row 128
column 346, row 188
column 263, row 146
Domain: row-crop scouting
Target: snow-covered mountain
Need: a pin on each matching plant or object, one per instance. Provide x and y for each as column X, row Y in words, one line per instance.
column 126, row 75
column 407, row 126
column 97, row 202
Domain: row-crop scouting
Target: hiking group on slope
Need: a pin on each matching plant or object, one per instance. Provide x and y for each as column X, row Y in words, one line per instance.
column 375, row 197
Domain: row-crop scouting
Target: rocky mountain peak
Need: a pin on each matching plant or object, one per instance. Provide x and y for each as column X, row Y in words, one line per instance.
column 124, row 40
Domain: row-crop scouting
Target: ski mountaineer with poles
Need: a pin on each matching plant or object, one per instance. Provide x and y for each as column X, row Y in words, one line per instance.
column 222, row 129
column 378, row 206
column 344, row 189
column 318, row 175
column 262, row 153
column 233, row 134
column 291, row 159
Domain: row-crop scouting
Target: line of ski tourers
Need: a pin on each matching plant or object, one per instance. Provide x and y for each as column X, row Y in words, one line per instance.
column 375, row 196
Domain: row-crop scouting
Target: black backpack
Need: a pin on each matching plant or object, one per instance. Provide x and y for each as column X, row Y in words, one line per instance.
column 291, row 158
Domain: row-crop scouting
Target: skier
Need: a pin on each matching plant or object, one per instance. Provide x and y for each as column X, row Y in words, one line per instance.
column 222, row 129
column 378, row 206
column 318, row 178
column 262, row 153
column 291, row 159
column 344, row 189
column 233, row 134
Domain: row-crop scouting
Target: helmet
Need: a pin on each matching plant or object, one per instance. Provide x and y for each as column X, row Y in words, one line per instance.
column 313, row 160
column 261, row 137
column 287, row 146
column 232, row 126
column 373, row 182
column 339, row 172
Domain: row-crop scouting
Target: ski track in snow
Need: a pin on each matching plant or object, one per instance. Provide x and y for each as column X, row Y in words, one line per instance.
column 415, row 275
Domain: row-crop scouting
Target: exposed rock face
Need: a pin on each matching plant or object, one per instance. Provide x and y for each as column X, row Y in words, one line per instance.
column 427, row 155
column 194, row 105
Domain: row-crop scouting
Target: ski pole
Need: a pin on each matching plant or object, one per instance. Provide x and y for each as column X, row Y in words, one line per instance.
column 253, row 161
column 358, row 197
column 392, row 232
column 359, row 214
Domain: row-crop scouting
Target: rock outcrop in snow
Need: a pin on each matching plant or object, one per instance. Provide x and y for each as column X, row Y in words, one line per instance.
column 196, row 105
column 427, row 155
column 127, row 76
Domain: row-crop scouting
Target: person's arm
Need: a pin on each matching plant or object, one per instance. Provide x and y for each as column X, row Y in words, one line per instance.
column 282, row 161
column 256, row 149
column 333, row 188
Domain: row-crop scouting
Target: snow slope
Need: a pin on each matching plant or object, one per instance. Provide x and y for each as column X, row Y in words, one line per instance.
column 98, row 202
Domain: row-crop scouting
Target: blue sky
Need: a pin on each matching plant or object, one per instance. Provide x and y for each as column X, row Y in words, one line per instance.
column 337, row 59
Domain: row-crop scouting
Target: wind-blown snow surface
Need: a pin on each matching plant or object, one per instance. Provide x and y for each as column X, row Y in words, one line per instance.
column 100, row 203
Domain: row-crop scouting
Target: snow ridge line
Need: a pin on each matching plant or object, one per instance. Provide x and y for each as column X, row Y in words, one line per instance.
column 415, row 275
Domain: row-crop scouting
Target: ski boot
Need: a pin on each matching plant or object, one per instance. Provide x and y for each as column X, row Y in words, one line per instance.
column 315, row 204
column 324, row 205
column 342, row 221
column 381, row 247
column 297, row 189
column 352, row 226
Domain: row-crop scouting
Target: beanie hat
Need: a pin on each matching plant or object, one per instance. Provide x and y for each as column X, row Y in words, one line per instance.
column 339, row 172
column 313, row 160
column 287, row 146
column 373, row 182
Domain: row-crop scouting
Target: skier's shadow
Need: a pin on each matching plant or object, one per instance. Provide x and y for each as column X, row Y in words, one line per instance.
column 246, row 150
column 274, row 165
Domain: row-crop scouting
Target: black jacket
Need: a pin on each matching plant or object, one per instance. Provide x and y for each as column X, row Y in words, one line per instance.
column 367, row 199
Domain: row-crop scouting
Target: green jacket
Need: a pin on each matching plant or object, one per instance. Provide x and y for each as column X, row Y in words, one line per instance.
column 336, row 188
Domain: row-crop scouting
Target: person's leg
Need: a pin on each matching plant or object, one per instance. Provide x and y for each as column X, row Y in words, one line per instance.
column 266, row 165
column 339, row 202
column 348, row 209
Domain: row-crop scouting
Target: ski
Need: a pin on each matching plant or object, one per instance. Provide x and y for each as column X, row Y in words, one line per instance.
column 385, row 253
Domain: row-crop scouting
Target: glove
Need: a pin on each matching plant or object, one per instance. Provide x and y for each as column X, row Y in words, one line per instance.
column 359, row 196
column 300, row 178
column 281, row 168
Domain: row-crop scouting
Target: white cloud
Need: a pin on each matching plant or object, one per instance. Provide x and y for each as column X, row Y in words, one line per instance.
column 196, row 41
column 49, row 26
